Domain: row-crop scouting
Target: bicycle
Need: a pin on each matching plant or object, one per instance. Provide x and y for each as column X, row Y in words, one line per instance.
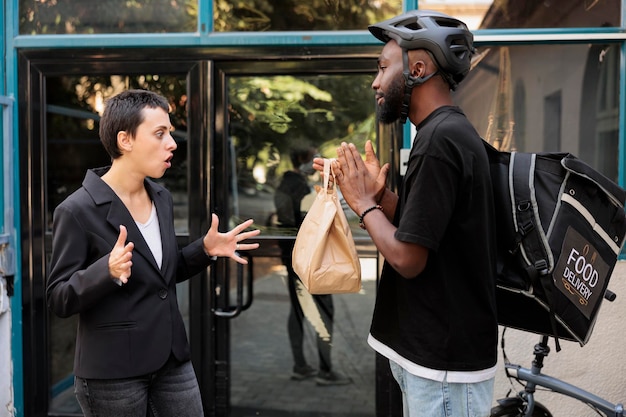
column 524, row 404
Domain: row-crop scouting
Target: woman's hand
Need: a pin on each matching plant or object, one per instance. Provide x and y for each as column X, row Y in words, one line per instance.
column 227, row 244
column 120, row 259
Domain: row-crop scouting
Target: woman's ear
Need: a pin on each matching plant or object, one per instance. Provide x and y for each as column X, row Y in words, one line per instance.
column 123, row 142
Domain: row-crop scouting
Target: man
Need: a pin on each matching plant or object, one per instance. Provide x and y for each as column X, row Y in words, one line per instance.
column 435, row 315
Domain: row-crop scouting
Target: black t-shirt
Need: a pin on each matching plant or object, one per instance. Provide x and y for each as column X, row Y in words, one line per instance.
column 288, row 198
column 445, row 318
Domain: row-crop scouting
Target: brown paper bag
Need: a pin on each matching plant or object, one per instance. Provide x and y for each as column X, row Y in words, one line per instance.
column 324, row 254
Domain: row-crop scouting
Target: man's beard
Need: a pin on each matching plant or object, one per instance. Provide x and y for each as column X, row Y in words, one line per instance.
column 389, row 110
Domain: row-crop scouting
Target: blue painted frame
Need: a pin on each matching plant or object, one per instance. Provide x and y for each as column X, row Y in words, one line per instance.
column 12, row 42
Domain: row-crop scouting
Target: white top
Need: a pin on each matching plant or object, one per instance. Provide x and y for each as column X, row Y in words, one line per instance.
column 152, row 235
column 459, row 377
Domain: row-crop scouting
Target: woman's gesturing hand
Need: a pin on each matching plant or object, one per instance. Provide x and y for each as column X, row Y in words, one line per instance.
column 227, row 244
column 120, row 259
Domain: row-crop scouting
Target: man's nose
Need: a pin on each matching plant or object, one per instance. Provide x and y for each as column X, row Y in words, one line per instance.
column 376, row 83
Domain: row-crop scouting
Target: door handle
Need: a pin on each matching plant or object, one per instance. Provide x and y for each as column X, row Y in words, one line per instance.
column 240, row 306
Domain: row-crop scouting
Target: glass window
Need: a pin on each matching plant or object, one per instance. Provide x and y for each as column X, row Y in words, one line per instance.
column 548, row 98
column 166, row 16
column 39, row 17
column 262, row 15
column 515, row 14
column 267, row 15
column 277, row 124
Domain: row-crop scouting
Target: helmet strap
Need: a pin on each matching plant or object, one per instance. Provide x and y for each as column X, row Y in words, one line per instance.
column 410, row 82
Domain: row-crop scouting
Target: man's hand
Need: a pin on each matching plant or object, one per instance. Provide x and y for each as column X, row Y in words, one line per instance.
column 362, row 183
column 373, row 167
column 376, row 173
column 120, row 259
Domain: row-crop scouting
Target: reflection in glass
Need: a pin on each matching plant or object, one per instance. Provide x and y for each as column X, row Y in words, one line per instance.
column 166, row 16
column 262, row 380
column 276, row 125
column 267, row 15
column 264, row 15
column 73, row 109
column 107, row 16
column 271, row 116
column 515, row 14
column 551, row 14
column 547, row 98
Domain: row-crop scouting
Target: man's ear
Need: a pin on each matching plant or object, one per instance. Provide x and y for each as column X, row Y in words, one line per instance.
column 418, row 63
column 124, row 143
column 418, row 69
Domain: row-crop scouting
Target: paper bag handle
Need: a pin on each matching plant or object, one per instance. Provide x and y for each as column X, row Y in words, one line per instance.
column 327, row 173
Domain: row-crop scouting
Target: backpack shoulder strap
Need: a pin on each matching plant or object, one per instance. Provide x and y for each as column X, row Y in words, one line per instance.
column 530, row 236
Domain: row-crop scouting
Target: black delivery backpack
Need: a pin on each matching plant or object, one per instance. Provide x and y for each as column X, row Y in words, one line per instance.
column 560, row 227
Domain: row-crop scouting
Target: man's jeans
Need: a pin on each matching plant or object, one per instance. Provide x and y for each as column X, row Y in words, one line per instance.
column 426, row 398
column 169, row 392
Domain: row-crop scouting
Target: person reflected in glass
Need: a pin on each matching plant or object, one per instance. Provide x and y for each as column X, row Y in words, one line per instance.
column 115, row 263
column 318, row 309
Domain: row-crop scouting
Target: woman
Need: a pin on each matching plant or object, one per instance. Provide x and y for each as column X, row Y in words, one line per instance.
column 115, row 263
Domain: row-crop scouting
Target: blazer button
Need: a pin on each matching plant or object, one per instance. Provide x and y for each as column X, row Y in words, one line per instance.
column 162, row 294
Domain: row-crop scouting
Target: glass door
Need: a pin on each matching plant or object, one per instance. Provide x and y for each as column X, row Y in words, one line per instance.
column 292, row 353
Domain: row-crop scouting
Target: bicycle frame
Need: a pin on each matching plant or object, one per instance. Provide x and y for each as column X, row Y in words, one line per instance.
column 534, row 378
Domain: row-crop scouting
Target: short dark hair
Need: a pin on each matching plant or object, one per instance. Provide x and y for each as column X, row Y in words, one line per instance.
column 124, row 112
column 301, row 154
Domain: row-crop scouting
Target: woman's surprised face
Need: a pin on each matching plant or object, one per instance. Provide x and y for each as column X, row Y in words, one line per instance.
column 154, row 146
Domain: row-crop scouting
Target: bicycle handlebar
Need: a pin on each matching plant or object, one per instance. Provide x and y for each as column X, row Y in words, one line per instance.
column 609, row 295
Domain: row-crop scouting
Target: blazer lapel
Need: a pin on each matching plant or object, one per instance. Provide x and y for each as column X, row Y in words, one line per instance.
column 118, row 214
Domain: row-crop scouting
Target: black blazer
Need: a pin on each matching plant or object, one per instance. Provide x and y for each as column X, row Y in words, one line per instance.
column 128, row 330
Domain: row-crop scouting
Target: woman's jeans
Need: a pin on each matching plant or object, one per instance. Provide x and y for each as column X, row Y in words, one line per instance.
column 426, row 398
column 171, row 391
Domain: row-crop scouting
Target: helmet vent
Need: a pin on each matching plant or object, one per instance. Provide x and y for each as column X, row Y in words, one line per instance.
column 450, row 23
column 413, row 26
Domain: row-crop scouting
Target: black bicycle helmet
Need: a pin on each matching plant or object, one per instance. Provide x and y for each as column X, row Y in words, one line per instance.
column 448, row 39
